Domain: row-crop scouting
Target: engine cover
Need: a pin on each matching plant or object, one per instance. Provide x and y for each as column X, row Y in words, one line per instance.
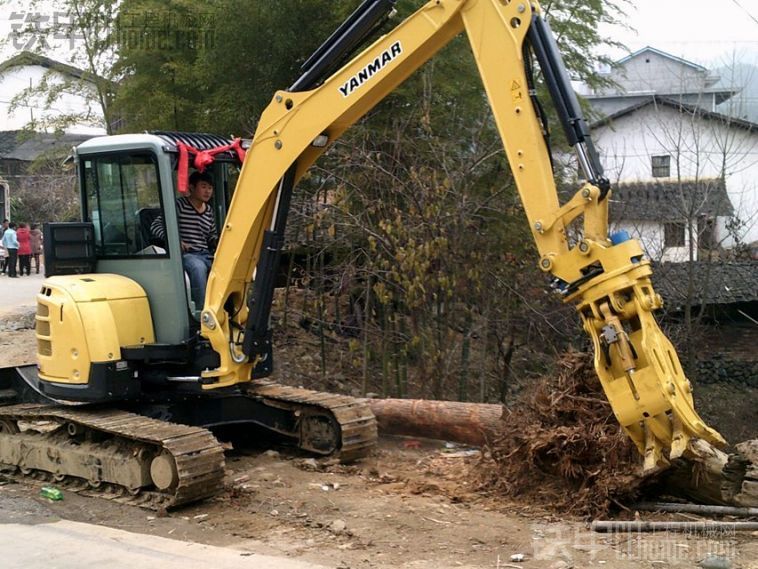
column 82, row 322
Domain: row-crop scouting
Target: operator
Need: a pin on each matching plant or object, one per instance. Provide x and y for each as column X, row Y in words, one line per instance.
column 197, row 233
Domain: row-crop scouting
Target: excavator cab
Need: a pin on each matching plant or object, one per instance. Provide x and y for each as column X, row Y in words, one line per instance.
column 127, row 183
column 117, row 285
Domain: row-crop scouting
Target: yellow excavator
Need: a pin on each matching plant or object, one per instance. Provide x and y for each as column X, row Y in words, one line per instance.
column 131, row 375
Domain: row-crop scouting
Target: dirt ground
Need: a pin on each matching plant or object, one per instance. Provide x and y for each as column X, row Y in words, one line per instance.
column 413, row 504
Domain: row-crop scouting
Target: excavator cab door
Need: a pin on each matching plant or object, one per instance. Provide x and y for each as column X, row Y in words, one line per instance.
column 129, row 183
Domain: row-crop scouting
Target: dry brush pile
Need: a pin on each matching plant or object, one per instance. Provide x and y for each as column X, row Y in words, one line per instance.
column 561, row 446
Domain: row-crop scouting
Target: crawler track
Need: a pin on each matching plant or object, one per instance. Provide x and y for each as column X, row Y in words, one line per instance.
column 133, row 458
column 328, row 423
column 151, row 463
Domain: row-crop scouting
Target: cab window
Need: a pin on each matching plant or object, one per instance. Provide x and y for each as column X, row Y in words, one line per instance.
column 123, row 200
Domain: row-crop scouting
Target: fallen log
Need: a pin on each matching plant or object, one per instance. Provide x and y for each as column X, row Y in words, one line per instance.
column 466, row 423
column 708, row 475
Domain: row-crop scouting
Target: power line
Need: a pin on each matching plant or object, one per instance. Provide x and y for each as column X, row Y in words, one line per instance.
column 741, row 7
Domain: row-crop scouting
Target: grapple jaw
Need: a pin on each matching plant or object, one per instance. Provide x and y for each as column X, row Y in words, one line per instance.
column 637, row 365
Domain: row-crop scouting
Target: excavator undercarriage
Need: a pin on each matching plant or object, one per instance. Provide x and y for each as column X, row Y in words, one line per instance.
column 146, row 453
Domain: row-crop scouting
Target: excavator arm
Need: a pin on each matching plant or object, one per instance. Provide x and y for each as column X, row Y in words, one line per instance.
column 605, row 277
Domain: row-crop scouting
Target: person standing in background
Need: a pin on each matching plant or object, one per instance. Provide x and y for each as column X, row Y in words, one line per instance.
column 10, row 242
column 3, row 252
column 24, row 250
column 36, row 237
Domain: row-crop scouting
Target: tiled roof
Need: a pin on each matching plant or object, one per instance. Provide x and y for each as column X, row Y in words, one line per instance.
column 8, row 141
column 691, row 110
column 715, row 282
column 670, row 200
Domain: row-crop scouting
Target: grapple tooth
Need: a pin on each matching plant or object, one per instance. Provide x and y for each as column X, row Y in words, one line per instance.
column 653, row 450
column 679, row 439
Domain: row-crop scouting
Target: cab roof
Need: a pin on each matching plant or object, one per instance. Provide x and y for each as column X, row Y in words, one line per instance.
column 165, row 140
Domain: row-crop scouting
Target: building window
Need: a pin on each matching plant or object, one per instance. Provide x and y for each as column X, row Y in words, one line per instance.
column 661, row 166
column 706, row 232
column 673, row 234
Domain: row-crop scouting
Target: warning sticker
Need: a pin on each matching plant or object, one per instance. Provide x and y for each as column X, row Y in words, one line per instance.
column 517, row 94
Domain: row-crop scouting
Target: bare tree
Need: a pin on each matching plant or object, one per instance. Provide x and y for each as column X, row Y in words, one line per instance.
column 693, row 171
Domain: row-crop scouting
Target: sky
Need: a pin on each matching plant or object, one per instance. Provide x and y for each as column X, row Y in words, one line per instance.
column 706, row 32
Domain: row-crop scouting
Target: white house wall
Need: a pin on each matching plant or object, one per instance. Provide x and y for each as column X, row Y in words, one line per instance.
column 14, row 80
column 698, row 149
column 651, row 235
column 649, row 71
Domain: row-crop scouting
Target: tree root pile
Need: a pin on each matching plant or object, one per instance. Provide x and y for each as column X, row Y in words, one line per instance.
column 561, row 446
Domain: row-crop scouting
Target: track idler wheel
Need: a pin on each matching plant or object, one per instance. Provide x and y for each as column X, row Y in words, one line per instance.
column 163, row 471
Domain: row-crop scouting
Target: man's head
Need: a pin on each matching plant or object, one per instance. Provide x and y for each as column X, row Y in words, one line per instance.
column 201, row 186
column 5, row 223
column 12, row 225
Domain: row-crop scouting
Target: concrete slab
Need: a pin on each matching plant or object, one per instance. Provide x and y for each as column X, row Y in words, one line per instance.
column 72, row 545
column 16, row 294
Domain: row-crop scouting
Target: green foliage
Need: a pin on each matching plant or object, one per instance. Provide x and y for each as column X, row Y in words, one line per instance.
column 576, row 24
column 159, row 45
column 220, row 82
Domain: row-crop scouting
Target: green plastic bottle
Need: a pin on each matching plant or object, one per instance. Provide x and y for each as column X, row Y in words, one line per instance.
column 51, row 493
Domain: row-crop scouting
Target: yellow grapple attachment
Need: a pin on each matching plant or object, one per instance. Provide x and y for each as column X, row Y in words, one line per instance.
column 637, row 365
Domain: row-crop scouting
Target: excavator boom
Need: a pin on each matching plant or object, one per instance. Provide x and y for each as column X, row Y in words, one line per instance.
column 605, row 276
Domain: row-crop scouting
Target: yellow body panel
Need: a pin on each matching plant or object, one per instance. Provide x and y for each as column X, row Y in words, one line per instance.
column 85, row 319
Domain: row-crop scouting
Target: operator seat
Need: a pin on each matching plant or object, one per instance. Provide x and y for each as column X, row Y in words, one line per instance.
column 145, row 218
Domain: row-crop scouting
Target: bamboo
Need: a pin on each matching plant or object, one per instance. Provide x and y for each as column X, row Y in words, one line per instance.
column 364, row 322
column 465, row 357
column 321, row 315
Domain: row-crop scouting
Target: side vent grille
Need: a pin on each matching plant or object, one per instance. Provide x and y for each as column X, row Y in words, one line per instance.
column 44, row 337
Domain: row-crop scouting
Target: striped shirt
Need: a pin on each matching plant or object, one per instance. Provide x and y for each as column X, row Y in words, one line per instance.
column 196, row 229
